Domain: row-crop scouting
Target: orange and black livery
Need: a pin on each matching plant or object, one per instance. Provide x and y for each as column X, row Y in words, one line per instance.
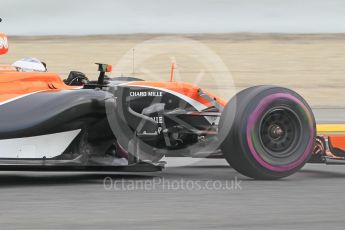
column 128, row 124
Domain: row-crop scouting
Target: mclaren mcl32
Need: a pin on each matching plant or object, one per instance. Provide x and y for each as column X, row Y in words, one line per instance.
column 128, row 124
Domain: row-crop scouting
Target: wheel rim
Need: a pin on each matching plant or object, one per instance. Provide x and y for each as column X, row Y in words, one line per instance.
column 280, row 130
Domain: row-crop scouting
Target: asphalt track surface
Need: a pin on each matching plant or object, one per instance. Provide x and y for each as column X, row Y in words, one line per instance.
column 188, row 194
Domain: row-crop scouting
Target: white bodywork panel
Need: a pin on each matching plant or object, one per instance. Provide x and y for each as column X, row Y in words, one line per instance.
column 48, row 146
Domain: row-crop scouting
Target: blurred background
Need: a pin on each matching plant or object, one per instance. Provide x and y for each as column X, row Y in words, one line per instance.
column 298, row 43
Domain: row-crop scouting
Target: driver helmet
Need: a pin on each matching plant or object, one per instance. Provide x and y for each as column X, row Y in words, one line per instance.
column 29, row 64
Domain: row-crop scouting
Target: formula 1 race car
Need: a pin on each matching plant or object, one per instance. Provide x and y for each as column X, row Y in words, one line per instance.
column 128, row 124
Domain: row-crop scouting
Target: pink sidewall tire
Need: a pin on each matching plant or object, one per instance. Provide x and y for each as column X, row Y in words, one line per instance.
column 267, row 132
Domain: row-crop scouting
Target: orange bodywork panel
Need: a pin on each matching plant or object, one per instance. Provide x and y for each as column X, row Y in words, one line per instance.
column 334, row 132
column 15, row 84
column 338, row 141
column 184, row 88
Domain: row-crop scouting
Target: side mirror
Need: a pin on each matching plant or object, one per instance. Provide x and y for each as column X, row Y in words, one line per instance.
column 3, row 44
column 103, row 68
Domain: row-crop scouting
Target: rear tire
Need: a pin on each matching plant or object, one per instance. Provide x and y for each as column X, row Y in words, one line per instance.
column 267, row 132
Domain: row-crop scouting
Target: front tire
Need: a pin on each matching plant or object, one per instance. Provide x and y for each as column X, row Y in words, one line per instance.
column 267, row 132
